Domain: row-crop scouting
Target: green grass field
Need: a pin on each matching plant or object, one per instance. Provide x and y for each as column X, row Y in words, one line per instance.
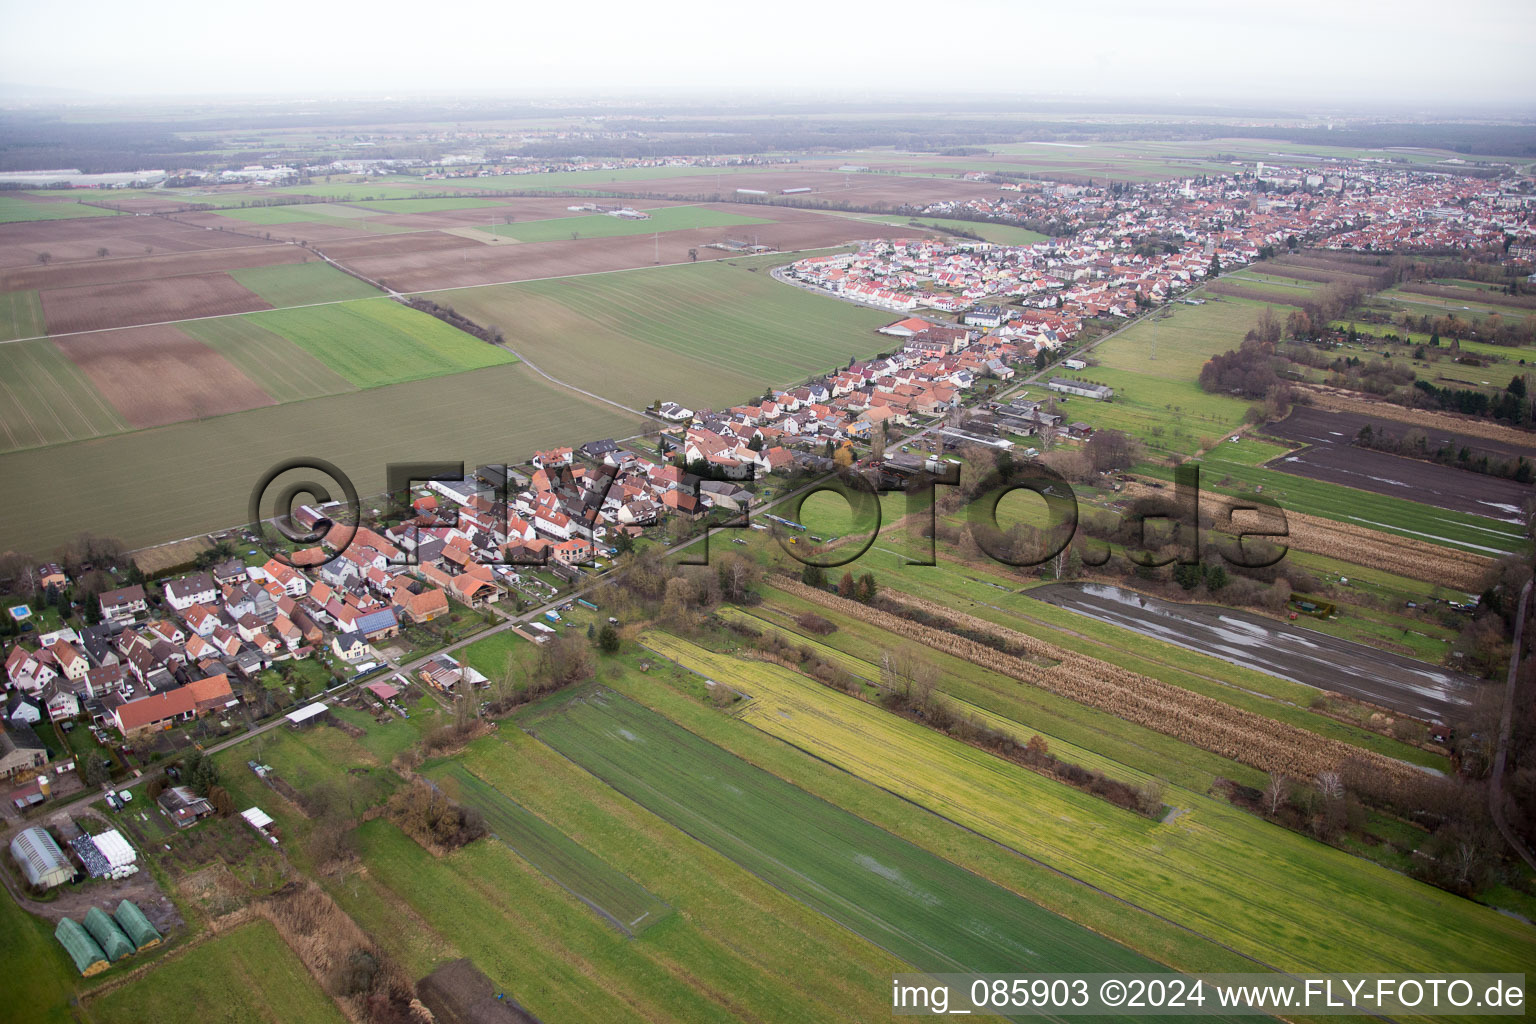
column 41, row 993
column 300, row 284
column 492, row 655
column 21, row 315
column 500, row 414
column 667, row 218
column 735, row 948
column 247, row 976
column 373, row 342
column 1223, row 873
column 1433, row 305
column 15, row 208
column 1154, row 366
column 609, row 892
column 293, row 217
column 48, row 399
column 921, row 908
column 279, row 367
column 438, row 205
column 706, row 334
column 1171, row 417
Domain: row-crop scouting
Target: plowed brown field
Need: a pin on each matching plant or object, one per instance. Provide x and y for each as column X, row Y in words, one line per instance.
column 94, row 307
column 144, row 268
column 20, row 244
column 158, row 375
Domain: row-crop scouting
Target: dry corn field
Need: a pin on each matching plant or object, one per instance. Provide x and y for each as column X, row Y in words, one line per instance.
column 1193, row 718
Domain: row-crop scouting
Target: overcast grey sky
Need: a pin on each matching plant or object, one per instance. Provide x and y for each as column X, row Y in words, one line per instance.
column 1301, row 51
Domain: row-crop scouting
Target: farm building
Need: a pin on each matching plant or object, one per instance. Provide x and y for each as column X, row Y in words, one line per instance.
column 82, row 949
column 107, row 934
column 259, row 820
column 184, row 806
column 40, row 857
column 1098, row 392
column 135, row 925
column 307, row 714
column 383, row 691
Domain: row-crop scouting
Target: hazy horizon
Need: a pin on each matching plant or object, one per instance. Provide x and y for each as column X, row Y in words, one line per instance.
column 1309, row 56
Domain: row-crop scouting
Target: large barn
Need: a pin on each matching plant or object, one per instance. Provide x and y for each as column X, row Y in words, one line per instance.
column 40, row 857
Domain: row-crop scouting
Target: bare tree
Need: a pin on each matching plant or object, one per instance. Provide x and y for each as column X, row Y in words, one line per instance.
column 1276, row 793
column 1110, row 449
column 1150, row 795
column 1330, row 784
column 737, row 574
column 908, row 674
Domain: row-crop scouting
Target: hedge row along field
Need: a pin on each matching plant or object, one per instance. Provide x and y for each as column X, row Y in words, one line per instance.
column 1205, row 722
column 1224, row 874
column 923, row 909
column 1065, row 750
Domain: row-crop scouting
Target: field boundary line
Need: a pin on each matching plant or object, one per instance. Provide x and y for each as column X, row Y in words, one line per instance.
column 964, row 828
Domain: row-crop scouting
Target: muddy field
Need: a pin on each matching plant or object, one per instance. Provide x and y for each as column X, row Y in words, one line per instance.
column 458, row 993
column 1310, row 425
column 1330, row 456
column 158, row 375
column 133, row 303
column 143, row 268
column 1439, row 424
column 1290, row 652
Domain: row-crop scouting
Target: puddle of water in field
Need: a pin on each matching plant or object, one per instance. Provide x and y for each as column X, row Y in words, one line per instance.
column 895, row 877
column 1287, row 653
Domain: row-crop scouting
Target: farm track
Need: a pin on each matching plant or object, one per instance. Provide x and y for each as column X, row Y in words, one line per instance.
column 1202, row 721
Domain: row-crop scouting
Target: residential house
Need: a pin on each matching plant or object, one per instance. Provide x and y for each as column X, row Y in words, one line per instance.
column 59, row 700
column 27, row 670
column 189, row 590
column 286, row 576
column 20, row 750
column 123, row 604
column 350, row 647
column 159, row 710
column 23, row 709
